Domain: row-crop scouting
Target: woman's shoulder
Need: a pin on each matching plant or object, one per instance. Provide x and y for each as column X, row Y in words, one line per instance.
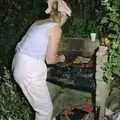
column 55, row 30
column 55, row 27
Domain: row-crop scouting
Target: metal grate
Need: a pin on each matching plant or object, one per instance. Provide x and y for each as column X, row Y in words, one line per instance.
column 77, row 76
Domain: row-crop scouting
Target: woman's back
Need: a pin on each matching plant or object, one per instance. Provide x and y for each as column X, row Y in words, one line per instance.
column 35, row 42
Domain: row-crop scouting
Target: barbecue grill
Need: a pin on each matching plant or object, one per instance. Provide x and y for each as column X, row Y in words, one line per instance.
column 79, row 76
column 78, row 70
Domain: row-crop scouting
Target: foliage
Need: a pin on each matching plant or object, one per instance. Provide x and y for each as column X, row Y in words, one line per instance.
column 79, row 27
column 110, row 28
column 13, row 105
column 15, row 17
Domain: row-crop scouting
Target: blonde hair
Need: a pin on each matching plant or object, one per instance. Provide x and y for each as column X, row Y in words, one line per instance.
column 61, row 6
column 58, row 11
column 54, row 13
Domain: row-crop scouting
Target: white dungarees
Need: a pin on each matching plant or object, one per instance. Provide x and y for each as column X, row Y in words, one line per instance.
column 30, row 71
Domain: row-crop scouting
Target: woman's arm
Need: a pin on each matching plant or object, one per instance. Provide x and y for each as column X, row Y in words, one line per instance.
column 53, row 45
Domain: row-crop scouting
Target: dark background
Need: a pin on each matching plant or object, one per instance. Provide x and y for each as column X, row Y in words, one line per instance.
column 17, row 15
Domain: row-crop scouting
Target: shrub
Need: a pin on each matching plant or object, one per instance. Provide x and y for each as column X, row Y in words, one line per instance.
column 13, row 105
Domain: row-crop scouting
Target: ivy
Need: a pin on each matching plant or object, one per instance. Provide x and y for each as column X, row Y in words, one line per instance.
column 110, row 28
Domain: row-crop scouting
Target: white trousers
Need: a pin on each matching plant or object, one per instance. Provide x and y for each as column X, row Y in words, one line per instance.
column 30, row 74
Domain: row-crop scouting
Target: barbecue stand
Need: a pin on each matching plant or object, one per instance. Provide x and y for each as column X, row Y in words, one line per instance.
column 79, row 76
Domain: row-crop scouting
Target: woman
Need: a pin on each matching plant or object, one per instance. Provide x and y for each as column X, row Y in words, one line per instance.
column 39, row 44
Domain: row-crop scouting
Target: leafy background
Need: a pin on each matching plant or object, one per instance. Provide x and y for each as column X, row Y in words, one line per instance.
column 110, row 29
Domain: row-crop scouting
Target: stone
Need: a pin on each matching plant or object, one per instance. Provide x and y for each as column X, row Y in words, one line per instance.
column 83, row 45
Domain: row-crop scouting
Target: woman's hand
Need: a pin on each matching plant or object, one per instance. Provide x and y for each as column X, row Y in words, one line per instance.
column 60, row 58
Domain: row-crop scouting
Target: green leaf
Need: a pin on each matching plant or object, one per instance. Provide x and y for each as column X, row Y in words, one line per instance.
column 104, row 20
